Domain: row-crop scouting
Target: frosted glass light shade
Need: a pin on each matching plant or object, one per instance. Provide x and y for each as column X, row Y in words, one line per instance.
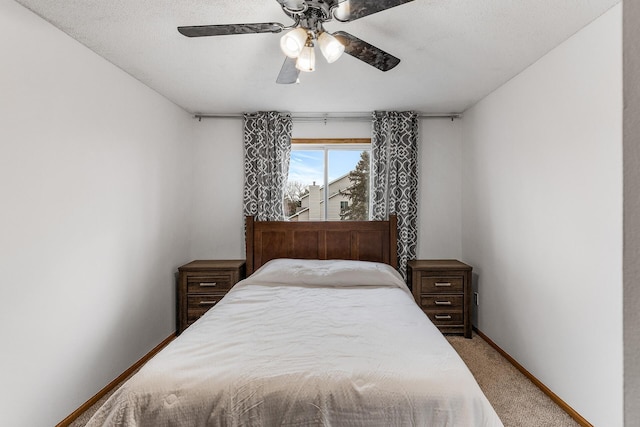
column 307, row 59
column 294, row 4
column 293, row 42
column 330, row 47
column 343, row 11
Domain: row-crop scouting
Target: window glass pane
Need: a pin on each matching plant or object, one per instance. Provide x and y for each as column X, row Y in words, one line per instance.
column 306, row 172
column 348, row 197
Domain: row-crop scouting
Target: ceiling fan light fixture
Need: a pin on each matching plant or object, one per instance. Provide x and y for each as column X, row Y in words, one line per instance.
column 297, row 39
column 307, row 60
column 293, row 42
column 330, row 47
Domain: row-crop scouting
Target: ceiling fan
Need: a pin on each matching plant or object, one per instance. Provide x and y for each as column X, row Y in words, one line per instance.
column 307, row 29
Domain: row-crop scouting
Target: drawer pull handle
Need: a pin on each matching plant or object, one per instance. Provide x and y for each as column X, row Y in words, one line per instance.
column 443, row 302
column 443, row 317
column 208, row 302
column 208, row 284
column 442, row 284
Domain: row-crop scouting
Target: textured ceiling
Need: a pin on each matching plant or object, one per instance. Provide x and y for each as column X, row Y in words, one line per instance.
column 453, row 52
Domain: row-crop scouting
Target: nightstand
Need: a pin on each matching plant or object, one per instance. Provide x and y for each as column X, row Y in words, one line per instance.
column 201, row 284
column 442, row 289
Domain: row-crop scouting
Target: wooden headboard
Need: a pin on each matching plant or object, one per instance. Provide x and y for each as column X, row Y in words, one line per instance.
column 356, row 240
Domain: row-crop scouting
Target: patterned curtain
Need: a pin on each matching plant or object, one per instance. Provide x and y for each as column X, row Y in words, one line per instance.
column 394, row 176
column 267, row 145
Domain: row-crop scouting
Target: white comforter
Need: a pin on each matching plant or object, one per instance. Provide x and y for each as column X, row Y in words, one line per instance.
column 306, row 343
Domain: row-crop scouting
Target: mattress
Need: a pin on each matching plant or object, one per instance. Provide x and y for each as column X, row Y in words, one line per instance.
column 306, row 343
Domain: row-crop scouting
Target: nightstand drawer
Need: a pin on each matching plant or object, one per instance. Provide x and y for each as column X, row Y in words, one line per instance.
column 441, row 284
column 204, row 300
column 211, row 282
column 446, row 318
column 442, row 302
column 199, row 304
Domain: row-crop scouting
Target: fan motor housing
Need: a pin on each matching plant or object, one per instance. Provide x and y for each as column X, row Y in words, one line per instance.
column 314, row 12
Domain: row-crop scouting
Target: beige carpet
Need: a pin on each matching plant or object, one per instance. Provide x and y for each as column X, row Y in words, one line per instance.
column 518, row 402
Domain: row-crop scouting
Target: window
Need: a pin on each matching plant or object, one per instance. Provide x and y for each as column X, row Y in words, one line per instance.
column 342, row 167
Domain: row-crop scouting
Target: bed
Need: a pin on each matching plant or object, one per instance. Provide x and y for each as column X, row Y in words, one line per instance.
column 319, row 334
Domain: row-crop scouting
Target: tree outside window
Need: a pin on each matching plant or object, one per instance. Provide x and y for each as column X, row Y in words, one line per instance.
column 358, row 192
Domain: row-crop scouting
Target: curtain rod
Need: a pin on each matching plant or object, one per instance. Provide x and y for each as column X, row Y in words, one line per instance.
column 319, row 117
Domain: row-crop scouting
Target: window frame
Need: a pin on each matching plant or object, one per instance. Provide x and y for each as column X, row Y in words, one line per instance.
column 331, row 144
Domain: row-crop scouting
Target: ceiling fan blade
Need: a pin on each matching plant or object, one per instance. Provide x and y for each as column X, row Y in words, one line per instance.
column 356, row 9
column 366, row 52
column 288, row 73
column 229, row 29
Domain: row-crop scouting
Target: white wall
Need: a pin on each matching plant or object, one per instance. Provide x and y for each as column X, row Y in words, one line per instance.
column 95, row 179
column 440, row 189
column 542, row 218
column 631, row 212
column 218, row 159
column 217, row 204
